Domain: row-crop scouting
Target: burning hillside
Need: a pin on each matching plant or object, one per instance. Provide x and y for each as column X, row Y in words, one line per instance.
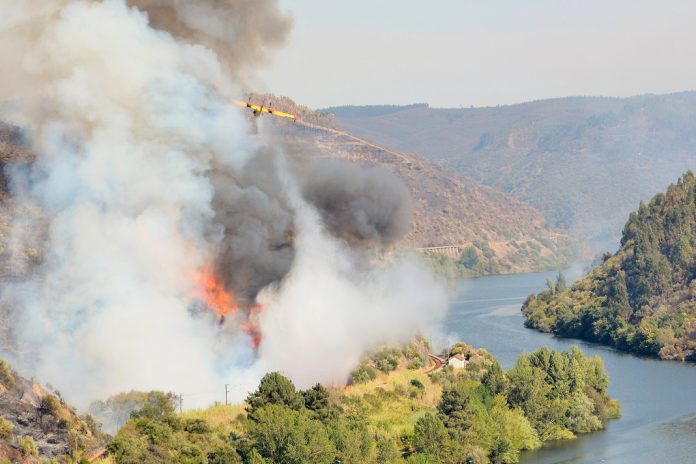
column 181, row 252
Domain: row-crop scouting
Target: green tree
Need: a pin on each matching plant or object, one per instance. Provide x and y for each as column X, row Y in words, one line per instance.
column 282, row 435
column 494, row 379
column 353, row 441
column 317, row 400
column 561, row 284
column 274, row 389
column 469, row 258
column 157, row 406
column 430, row 435
column 422, row 458
column 388, row 451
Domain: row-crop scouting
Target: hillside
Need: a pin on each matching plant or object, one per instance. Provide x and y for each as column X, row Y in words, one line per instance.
column 506, row 234
column 643, row 298
column 585, row 162
column 398, row 412
column 36, row 424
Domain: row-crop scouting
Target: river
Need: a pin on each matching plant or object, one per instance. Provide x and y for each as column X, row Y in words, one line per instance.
column 658, row 398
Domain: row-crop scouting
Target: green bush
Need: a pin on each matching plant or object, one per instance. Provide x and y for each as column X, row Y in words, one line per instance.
column 363, row 374
column 387, row 360
column 417, row 383
column 49, row 405
column 6, row 428
column 6, row 376
column 28, row 446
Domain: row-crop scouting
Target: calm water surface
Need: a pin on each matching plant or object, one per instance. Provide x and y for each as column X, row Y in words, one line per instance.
column 658, row 398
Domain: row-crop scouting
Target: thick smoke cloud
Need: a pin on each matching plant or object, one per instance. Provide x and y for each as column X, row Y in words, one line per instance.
column 359, row 203
column 257, row 223
column 145, row 175
column 239, row 31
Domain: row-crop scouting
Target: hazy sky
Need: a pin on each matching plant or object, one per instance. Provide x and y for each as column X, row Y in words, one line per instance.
column 482, row 52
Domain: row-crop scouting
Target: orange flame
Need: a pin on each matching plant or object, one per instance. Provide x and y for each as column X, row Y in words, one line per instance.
column 212, row 291
column 251, row 327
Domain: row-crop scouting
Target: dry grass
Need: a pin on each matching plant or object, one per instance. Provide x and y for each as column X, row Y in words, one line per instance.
column 106, row 460
column 219, row 417
column 396, row 412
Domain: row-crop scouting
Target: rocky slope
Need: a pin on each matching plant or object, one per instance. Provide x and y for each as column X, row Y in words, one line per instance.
column 35, row 423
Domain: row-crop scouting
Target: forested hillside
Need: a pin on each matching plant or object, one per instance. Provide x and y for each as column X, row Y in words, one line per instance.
column 642, row 298
column 585, row 162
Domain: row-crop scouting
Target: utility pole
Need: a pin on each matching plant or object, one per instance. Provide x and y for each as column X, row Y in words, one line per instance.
column 181, row 403
column 227, row 390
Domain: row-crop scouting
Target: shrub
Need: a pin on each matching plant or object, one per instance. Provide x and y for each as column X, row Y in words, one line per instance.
column 157, row 406
column 198, row 426
column 6, row 428
column 387, row 360
column 417, row 383
column 28, row 446
column 6, row 376
column 49, row 405
column 363, row 374
column 94, row 427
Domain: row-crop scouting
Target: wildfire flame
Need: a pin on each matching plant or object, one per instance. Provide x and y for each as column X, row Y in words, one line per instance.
column 251, row 326
column 211, row 290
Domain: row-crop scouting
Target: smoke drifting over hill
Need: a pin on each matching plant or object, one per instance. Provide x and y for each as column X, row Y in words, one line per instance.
column 240, row 32
column 148, row 178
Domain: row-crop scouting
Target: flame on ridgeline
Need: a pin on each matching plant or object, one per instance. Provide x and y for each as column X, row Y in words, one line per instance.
column 211, row 290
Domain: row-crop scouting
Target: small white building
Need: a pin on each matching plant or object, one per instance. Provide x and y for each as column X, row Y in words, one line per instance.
column 458, row 361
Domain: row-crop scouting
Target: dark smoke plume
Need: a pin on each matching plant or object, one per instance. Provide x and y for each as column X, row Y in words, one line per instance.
column 239, row 31
column 147, row 177
column 359, row 204
column 364, row 206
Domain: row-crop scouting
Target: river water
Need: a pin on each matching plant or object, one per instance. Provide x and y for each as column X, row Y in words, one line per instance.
column 658, row 398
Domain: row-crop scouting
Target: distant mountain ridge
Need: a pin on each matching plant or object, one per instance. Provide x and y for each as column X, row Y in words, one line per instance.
column 585, row 162
column 360, row 111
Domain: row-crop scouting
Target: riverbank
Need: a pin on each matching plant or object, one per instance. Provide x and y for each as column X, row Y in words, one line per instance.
column 658, row 406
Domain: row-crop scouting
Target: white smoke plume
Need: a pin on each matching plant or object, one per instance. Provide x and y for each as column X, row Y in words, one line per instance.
column 146, row 174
